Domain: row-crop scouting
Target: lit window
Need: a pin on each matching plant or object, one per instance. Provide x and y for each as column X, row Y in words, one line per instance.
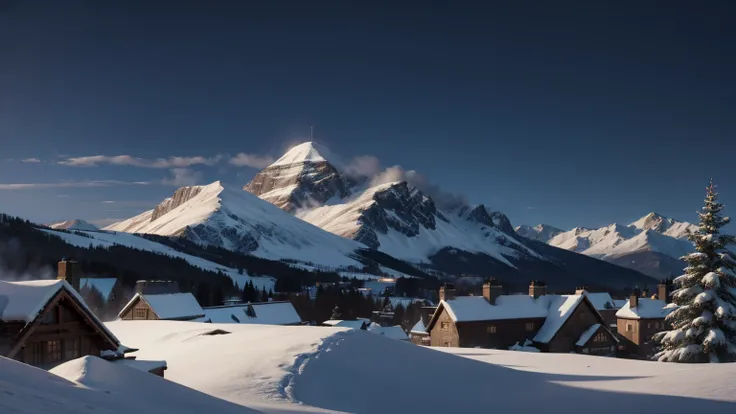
column 491, row 329
column 599, row 337
column 529, row 326
column 53, row 351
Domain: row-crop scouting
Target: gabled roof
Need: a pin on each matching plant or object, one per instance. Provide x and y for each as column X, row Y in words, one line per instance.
column 267, row 313
column 585, row 337
column 601, row 300
column 646, row 309
column 560, row 309
column 419, row 328
column 477, row 308
column 25, row 301
column 103, row 285
column 169, row 305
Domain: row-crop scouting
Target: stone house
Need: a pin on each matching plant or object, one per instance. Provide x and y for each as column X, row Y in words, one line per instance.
column 640, row 318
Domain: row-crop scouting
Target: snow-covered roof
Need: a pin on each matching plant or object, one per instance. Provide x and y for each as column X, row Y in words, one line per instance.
column 393, row 332
column 585, row 337
column 477, row 308
column 344, row 324
column 560, row 309
column 419, row 328
column 270, row 313
column 646, row 309
column 619, row 303
column 103, row 285
column 601, row 300
column 22, row 301
column 170, row 305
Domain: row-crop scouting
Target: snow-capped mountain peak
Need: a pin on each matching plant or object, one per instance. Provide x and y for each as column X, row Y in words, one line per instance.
column 664, row 225
column 304, row 152
column 540, row 232
column 75, row 224
column 237, row 220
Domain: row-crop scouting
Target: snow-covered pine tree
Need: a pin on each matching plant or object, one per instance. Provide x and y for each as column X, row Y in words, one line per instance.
column 704, row 324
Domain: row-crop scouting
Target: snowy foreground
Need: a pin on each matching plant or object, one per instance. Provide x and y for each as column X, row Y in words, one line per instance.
column 276, row 369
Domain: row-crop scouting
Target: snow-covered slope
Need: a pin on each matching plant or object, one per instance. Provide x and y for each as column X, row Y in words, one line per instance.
column 76, row 224
column 653, row 234
column 110, row 238
column 92, row 385
column 321, row 368
column 238, row 221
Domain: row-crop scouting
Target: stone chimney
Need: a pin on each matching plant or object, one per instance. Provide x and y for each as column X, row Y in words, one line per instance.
column 492, row 289
column 537, row 288
column 664, row 290
column 447, row 292
column 156, row 287
column 580, row 290
column 70, row 271
column 634, row 298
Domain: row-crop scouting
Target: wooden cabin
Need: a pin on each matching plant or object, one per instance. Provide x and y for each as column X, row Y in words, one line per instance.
column 161, row 300
column 46, row 322
column 552, row 323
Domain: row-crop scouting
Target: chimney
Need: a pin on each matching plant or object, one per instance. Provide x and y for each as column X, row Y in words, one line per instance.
column 537, row 288
column 492, row 289
column 580, row 290
column 70, row 271
column 447, row 292
column 634, row 298
column 156, row 287
column 664, row 290
column 645, row 293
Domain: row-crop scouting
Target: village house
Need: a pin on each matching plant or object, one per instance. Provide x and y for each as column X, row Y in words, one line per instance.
column 392, row 332
column 640, row 318
column 46, row 322
column 418, row 333
column 552, row 323
column 266, row 313
column 161, row 300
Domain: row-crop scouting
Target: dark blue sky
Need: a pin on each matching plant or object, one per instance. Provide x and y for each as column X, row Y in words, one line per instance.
column 568, row 113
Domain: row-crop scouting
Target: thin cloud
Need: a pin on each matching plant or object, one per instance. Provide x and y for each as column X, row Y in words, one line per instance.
column 31, row 160
column 128, row 160
column 251, row 160
column 71, row 184
column 108, row 202
column 182, row 177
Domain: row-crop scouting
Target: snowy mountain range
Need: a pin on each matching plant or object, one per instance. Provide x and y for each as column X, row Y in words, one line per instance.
column 653, row 244
column 405, row 222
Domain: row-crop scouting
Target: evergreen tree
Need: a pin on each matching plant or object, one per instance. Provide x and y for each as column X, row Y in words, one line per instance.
column 704, row 324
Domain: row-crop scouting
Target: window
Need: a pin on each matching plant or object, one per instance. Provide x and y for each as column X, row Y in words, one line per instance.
column 72, row 349
column 447, row 344
column 445, row 326
column 491, row 329
column 629, row 327
column 529, row 326
column 53, row 351
column 600, row 337
column 139, row 313
column 649, row 325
